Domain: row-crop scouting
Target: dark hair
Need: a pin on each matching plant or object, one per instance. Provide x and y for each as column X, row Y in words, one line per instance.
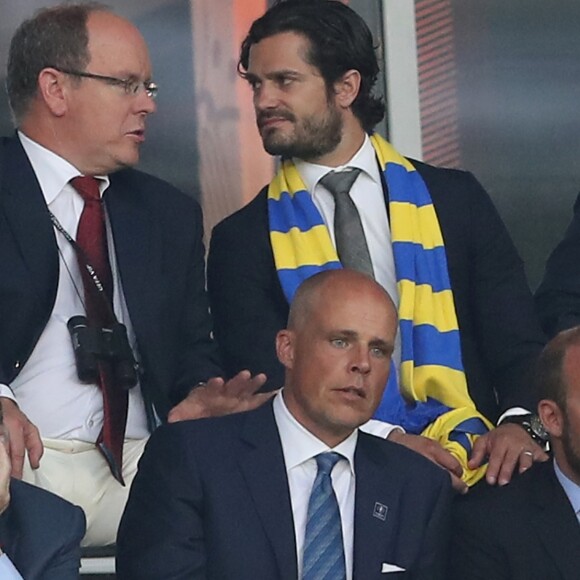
column 339, row 41
column 550, row 378
column 56, row 37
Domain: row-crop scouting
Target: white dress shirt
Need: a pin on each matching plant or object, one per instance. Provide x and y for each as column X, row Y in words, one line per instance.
column 571, row 489
column 300, row 447
column 8, row 570
column 47, row 388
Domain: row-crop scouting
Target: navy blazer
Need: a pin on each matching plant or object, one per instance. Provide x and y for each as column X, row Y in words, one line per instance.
column 526, row 530
column 41, row 533
column 160, row 256
column 211, row 501
column 500, row 334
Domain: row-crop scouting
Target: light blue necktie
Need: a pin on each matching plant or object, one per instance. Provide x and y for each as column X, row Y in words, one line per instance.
column 323, row 545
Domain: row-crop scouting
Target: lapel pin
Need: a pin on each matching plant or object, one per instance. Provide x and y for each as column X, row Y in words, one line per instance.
column 380, row 511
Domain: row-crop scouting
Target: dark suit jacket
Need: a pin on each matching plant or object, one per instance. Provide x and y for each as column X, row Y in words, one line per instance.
column 526, row 530
column 41, row 533
column 558, row 296
column 500, row 335
column 211, row 500
column 160, row 255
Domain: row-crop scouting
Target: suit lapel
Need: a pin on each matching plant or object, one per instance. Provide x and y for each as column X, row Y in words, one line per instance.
column 27, row 216
column 373, row 529
column 262, row 465
column 132, row 226
column 553, row 519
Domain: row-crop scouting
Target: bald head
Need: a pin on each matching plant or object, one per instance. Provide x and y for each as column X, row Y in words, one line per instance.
column 337, row 352
column 329, row 284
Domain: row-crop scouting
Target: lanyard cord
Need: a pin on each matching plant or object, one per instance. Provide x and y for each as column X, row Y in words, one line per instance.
column 87, row 265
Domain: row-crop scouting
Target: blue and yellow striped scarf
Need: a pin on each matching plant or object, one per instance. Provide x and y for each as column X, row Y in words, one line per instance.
column 431, row 397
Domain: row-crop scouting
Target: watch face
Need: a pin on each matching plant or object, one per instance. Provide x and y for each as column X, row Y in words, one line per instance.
column 538, row 428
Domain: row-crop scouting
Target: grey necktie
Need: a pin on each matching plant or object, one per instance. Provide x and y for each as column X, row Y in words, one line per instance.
column 351, row 244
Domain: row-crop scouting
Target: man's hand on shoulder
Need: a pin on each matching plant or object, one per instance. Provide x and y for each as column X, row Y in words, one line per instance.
column 218, row 397
column 4, row 479
column 23, row 437
column 507, row 447
column 434, row 451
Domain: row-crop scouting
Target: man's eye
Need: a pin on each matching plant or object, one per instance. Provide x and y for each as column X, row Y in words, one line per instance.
column 379, row 352
column 339, row 342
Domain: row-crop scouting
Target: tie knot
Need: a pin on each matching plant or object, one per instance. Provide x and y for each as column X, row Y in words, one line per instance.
column 87, row 186
column 327, row 461
column 340, row 182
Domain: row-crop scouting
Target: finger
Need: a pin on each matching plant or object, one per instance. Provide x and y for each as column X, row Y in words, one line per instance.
column 447, row 461
column 33, row 444
column 495, row 461
column 525, row 460
column 458, row 484
column 17, row 451
column 478, row 453
column 508, row 464
column 258, row 400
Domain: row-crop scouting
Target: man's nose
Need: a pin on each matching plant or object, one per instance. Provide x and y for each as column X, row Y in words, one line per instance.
column 361, row 361
column 265, row 97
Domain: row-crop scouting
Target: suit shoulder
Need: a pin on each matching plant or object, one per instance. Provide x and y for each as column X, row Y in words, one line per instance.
column 255, row 211
column 406, row 460
column 152, row 189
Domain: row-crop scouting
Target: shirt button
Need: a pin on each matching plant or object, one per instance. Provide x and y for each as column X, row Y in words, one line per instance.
column 17, row 364
column 91, row 422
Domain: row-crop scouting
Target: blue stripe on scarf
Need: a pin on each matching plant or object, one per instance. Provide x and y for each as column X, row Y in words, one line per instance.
column 473, row 426
column 287, row 213
column 406, row 186
column 429, row 346
column 418, row 265
column 395, row 410
column 290, row 279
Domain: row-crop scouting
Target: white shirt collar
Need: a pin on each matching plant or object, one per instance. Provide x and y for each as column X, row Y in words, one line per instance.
column 571, row 488
column 299, row 445
column 364, row 159
column 52, row 171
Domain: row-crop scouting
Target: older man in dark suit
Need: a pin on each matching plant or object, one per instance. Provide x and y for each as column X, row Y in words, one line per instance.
column 294, row 489
column 101, row 267
column 530, row 530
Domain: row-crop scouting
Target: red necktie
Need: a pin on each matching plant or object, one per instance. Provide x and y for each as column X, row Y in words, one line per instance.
column 92, row 239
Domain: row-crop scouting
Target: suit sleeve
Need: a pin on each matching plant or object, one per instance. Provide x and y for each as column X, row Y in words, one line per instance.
column 499, row 329
column 558, row 296
column 200, row 359
column 247, row 303
column 474, row 555
column 161, row 532
column 66, row 562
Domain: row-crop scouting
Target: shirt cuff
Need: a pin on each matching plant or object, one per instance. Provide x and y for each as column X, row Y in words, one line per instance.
column 509, row 413
column 379, row 428
column 6, row 391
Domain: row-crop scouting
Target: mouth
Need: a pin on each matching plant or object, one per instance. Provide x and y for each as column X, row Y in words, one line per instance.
column 138, row 135
column 353, row 392
column 272, row 119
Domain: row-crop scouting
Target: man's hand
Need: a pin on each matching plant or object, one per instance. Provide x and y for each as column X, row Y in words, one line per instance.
column 218, row 397
column 23, row 437
column 4, row 477
column 506, row 446
column 432, row 450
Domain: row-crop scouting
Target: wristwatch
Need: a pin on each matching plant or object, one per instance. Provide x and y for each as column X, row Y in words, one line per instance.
column 533, row 426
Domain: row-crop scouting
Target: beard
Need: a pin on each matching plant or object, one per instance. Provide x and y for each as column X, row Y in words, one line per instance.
column 311, row 137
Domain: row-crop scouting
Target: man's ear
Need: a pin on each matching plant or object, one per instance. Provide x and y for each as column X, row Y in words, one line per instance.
column 346, row 88
column 285, row 347
column 53, row 91
column 552, row 417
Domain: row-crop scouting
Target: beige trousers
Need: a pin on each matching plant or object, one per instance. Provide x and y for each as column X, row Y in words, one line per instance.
column 77, row 471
